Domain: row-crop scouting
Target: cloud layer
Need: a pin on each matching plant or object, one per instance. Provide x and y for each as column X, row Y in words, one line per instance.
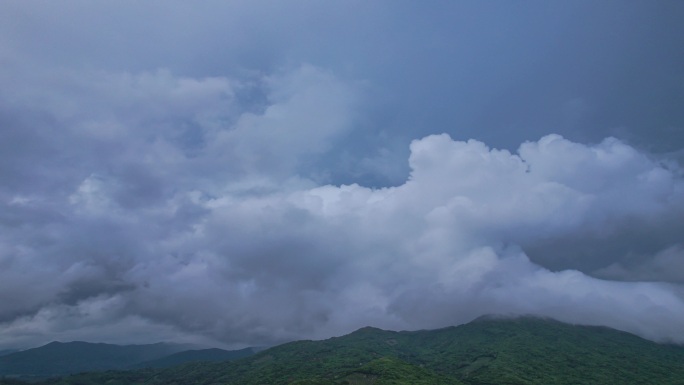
column 166, row 210
column 234, row 178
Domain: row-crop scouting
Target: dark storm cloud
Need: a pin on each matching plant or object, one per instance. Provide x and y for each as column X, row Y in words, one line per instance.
column 500, row 72
column 214, row 173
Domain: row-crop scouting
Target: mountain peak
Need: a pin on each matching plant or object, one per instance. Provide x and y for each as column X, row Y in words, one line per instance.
column 513, row 317
column 368, row 329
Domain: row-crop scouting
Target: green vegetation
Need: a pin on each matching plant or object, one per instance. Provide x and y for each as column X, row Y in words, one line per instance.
column 202, row 355
column 486, row 351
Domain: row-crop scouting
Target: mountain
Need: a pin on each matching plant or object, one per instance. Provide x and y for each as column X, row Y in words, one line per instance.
column 58, row 358
column 7, row 351
column 487, row 351
column 204, row 355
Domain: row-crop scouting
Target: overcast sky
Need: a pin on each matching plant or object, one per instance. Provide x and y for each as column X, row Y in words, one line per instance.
column 238, row 173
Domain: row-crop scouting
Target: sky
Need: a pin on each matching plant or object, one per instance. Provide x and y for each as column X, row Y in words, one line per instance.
column 240, row 173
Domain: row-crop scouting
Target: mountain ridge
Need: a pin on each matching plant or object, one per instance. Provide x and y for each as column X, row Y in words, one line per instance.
column 63, row 358
column 195, row 355
column 513, row 351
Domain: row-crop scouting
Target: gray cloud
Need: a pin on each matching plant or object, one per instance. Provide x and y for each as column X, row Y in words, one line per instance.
column 234, row 178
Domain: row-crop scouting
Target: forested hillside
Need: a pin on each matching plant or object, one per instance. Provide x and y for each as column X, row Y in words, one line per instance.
column 486, row 351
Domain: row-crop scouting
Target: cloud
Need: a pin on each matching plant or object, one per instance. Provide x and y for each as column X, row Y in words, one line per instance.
column 665, row 265
column 115, row 153
column 221, row 243
column 175, row 172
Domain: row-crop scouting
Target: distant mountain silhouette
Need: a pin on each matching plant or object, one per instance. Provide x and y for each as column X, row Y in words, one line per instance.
column 59, row 358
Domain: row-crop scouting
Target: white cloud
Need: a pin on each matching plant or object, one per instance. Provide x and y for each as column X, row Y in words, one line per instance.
column 437, row 250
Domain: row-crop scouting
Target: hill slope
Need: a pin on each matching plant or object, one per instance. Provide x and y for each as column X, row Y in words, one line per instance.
column 486, row 351
column 58, row 358
column 204, row 355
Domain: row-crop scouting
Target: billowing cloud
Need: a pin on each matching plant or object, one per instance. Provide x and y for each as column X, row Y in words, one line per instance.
column 208, row 185
column 188, row 240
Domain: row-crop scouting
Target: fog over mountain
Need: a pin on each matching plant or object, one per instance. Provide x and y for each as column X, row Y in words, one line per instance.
column 240, row 174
